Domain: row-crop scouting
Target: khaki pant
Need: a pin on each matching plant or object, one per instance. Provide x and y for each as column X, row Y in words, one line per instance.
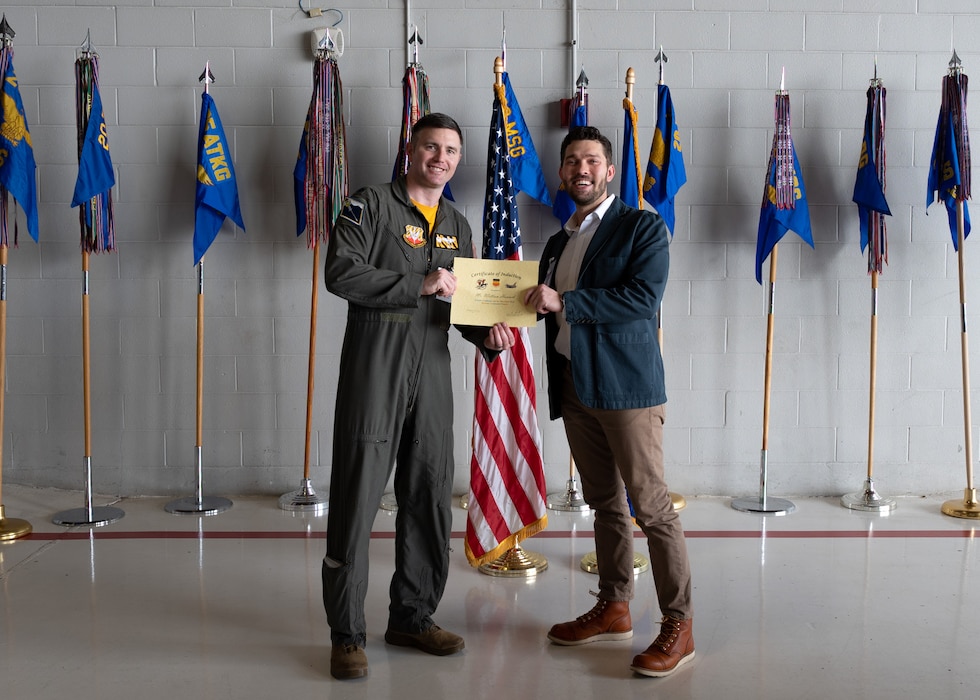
column 616, row 447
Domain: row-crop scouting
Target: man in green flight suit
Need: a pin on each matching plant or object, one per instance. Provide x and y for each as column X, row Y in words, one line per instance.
column 391, row 257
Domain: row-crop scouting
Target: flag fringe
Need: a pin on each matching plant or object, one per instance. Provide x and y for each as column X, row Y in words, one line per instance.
column 510, row 542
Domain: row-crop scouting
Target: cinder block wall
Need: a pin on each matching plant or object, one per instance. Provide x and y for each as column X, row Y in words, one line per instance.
column 725, row 62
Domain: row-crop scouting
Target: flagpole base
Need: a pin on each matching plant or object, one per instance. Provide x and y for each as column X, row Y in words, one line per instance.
column 12, row 528
column 590, row 563
column 965, row 508
column 191, row 505
column 464, row 501
column 389, row 502
column 570, row 500
column 764, row 506
column 305, row 499
column 678, row 501
column 868, row 500
column 516, row 562
column 94, row 517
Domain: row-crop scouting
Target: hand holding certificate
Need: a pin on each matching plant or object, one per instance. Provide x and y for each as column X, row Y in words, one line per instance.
column 492, row 291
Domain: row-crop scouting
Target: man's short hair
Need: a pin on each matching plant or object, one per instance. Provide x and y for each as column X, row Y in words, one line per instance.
column 436, row 120
column 587, row 133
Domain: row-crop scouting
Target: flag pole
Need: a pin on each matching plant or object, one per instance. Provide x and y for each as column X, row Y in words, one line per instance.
column 10, row 528
column 515, row 562
column 764, row 504
column 968, row 506
column 88, row 514
column 868, row 498
column 677, row 499
column 306, row 499
column 571, row 500
column 198, row 504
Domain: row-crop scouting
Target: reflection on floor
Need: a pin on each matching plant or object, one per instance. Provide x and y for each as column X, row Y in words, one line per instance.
column 822, row 603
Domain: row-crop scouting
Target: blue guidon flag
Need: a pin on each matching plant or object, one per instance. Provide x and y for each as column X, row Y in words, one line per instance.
column 17, row 167
column 949, row 168
column 869, row 184
column 564, row 207
column 525, row 166
column 665, row 167
column 217, row 189
column 784, row 205
column 93, row 186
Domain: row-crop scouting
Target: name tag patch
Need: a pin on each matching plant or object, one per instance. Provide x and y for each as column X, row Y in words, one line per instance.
column 447, row 242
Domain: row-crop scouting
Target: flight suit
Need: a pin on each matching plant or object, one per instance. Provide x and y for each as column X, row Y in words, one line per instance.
column 394, row 405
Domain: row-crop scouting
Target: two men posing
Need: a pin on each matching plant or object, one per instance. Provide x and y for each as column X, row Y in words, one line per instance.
column 601, row 282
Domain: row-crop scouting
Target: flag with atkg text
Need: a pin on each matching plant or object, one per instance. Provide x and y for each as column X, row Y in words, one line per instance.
column 665, row 173
column 217, row 189
column 17, row 166
column 784, row 203
column 507, row 486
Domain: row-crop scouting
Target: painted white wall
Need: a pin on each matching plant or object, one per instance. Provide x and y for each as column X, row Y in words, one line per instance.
column 724, row 66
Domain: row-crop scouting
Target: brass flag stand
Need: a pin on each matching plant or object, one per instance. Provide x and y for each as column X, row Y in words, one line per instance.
column 10, row 528
column 96, row 222
column 320, row 179
column 869, row 195
column 952, row 150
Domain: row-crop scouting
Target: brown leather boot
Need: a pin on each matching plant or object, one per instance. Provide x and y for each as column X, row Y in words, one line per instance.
column 672, row 648
column 348, row 661
column 608, row 621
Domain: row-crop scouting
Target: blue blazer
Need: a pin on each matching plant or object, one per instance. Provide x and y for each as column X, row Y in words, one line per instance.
column 616, row 361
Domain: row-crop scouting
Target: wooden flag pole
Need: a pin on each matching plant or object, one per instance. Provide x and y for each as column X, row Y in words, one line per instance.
column 868, row 498
column 10, row 528
column 306, row 498
column 967, row 507
column 764, row 504
column 198, row 504
column 88, row 514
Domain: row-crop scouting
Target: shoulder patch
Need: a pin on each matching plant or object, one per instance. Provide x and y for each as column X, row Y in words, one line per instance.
column 353, row 211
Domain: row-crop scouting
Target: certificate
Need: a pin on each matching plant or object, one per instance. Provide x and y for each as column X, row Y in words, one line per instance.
column 492, row 291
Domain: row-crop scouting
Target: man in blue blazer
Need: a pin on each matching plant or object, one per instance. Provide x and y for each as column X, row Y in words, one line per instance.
column 601, row 281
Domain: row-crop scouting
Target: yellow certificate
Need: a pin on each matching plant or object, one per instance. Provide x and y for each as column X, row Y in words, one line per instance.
column 492, row 291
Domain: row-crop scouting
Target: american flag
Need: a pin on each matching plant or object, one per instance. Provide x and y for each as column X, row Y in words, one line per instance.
column 507, row 487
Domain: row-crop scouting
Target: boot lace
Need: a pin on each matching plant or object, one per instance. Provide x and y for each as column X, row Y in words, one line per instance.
column 669, row 628
column 596, row 610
